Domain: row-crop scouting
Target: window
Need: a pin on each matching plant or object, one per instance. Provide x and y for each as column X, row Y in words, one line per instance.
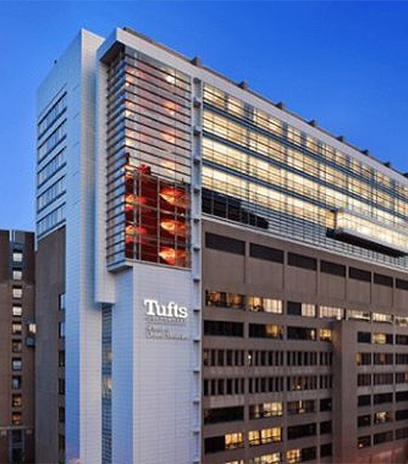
column 262, row 410
column 333, row 268
column 364, row 421
column 299, row 431
column 16, row 400
column 61, row 329
column 294, row 308
column 17, row 292
column 17, row 256
column 331, row 313
column 301, row 407
column 401, row 339
column 16, row 418
column 16, row 364
column 31, row 329
column 326, row 404
column 382, row 338
column 325, row 427
column 17, row 311
column 301, row 261
column 266, row 253
column 382, row 417
column 379, row 317
column 265, row 331
column 16, row 346
column 273, row 458
column 401, row 284
column 363, row 380
column 364, row 442
column 61, row 414
column 61, row 358
column 301, row 333
column 217, row 415
column 17, row 274
column 364, row 400
column 61, row 386
column 225, row 300
column 264, row 436
column 268, row 305
column 364, row 337
column 294, row 456
column 325, row 335
column 401, row 396
column 384, row 280
column 227, row 244
column 16, row 382
column 326, row 450
column 61, row 302
column 224, row 328
column 363, row 359
column 16, row 328
column 359, row 274
column 383, row 437
column 359, row 315
column 402, row 414
column 383, row 359
column 234, row 441
column 381, row 398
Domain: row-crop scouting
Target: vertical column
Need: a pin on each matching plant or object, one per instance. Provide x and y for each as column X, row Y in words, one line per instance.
column 196, row 265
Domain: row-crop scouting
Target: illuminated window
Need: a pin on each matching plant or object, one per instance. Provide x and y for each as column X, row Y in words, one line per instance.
column 16, row 400
column 17, row 275
column 382, row 416
column 17, row 364
column 382, row 338
column 263, row 410
column 273, row 458
column 294, row 456
column 264, row 436
column 325, row 335
column 359, row 315
column 16, row 328
column 17, row 311
column 331, row 313
column 234, row 441
column 61, row 329
column 17, row 256
column 379, row 317
column 308, row 310
column 17, row 292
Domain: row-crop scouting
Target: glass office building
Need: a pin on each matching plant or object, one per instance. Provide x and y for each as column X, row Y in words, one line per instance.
column 229, row 281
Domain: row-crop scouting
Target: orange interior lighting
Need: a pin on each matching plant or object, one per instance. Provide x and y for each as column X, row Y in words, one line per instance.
column 174, row 227
column 174, row 197
column 131, row 230
column 172, row 256
column 170, row 107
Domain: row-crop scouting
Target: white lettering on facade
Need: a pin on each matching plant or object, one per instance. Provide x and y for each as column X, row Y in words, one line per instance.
column 171, row 310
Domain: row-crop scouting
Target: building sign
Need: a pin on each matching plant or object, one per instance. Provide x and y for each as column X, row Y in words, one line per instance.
column 165, row 321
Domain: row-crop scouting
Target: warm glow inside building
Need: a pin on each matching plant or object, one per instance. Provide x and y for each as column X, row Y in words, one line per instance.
column 218, row 280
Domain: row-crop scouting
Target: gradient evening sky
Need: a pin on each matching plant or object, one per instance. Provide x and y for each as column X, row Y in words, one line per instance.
column 344, row 64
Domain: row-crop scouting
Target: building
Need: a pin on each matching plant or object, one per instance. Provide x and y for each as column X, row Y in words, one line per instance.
column 17, row 340
column 221, row 280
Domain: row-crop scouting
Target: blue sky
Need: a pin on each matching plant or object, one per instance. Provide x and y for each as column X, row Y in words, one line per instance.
column 342, row 63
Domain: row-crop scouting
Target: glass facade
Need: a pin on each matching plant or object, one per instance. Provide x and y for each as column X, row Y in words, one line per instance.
column 263, row 172
column 149, row 173
column 51, row 163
